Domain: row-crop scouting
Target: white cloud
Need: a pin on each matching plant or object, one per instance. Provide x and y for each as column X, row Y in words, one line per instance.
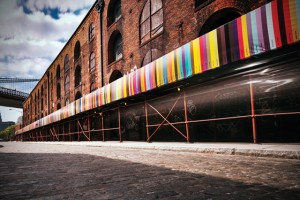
column 30, row 42
column 64, row 6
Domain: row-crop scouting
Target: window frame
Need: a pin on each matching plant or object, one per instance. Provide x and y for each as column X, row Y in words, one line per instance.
column 92, row 60
column 91, row 31
column 155, row 34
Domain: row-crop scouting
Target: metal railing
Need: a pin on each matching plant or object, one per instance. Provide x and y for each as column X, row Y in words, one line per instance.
column 11, row 92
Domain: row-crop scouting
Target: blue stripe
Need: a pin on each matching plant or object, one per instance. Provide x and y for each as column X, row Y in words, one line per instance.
column 188, row 61
column 254, row 32
column 165, row 71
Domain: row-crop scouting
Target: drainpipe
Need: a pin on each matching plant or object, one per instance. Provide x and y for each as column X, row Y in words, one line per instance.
column 100, row 6
column 48, row 93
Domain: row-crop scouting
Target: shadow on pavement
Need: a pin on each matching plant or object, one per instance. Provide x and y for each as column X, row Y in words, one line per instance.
column 78, row 176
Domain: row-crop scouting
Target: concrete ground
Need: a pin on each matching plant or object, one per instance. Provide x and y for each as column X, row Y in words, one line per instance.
column 259, row 150
column 114, row 170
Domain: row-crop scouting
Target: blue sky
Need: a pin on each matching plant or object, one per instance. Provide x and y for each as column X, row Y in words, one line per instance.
column 32, row 33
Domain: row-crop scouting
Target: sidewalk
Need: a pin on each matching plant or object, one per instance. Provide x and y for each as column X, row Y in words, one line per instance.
column 276, row 150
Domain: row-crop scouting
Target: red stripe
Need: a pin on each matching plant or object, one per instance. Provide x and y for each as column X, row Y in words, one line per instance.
column 287, row 21
column 202, row 55
column 240, row 37
column 276, row 24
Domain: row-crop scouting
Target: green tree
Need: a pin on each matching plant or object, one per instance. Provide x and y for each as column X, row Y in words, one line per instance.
column 8, row 133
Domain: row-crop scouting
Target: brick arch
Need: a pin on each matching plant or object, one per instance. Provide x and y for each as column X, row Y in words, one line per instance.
column 116, row 74
column 219, row 18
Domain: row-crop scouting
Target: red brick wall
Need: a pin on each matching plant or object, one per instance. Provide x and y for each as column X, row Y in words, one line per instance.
column 181, row 22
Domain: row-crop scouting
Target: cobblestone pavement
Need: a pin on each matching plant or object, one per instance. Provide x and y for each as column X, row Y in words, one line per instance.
column 48, row 171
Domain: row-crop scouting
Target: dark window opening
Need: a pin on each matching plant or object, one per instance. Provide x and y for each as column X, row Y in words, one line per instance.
column 202, row 3
column 114, row 12
column 115, row 47
column 58, row 72
column 115, row 75
column 77, row 76
column 58, row 106
column 58, row 92
column 77, row 51
column 218, row 19
column 78, row 96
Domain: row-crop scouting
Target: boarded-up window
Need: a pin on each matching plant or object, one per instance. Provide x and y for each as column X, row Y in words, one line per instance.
column 66, row 63
column 67, row 84
column 151, row 22
column 151, row 55
column 91, row 31
column 92, row 62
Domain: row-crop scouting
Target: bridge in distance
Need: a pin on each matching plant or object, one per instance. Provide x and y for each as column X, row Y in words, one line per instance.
column 13, row 91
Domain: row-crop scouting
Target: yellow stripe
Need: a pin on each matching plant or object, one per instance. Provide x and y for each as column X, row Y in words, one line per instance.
column 159, row 73
column 197, row 58
column 215, row 41
column 131, row 84
column 143, row 79
column 293, row 14
column 124, row 86
column 212, row 50
column 173, row 66
column 245, row 36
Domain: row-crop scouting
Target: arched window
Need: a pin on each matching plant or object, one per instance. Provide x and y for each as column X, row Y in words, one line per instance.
column 58, row 72
column 93, row 87
column 58, row 91
column 58, row 106
column 77, row 76
column 151, row 21
column 151, row 55
column 115, row 47
column 92, row 62
column 114, row 11
column 67, row 83
column 91, row 31
column 116, row 74
column 78, row 96
column 77, row 51
column 218, row 19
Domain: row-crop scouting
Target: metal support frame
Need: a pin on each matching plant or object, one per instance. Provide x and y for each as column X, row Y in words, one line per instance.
column 253, row 114
column 165, row 119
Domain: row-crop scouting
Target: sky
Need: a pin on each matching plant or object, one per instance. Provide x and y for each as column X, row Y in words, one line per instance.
column 32, row 33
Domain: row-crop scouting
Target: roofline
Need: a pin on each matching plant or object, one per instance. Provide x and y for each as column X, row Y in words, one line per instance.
column 88, row 13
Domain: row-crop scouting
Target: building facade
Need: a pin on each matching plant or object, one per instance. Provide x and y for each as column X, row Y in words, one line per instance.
column 159, row 72
column 134, row 33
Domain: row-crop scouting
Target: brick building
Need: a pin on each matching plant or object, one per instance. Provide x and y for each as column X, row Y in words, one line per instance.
column 134, row 33
column 162, row 70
